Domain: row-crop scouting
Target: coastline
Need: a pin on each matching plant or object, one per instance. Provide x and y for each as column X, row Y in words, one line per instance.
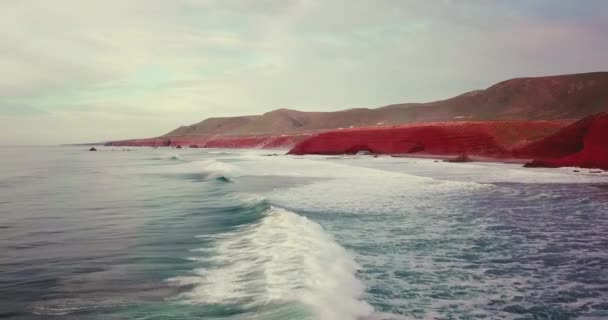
column 531, row 143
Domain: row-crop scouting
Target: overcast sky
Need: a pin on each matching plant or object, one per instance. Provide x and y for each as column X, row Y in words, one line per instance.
column 83, row 70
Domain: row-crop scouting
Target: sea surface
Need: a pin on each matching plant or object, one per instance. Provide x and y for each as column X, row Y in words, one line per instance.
column 248, row 234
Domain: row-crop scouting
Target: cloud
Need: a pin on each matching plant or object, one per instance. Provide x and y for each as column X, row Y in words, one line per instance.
column 183, row 60
column 13, row 109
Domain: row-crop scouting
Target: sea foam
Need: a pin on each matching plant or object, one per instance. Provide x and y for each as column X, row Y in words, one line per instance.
column 283, row 259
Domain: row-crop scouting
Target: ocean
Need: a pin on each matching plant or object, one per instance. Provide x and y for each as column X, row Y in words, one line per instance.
column 254, row 234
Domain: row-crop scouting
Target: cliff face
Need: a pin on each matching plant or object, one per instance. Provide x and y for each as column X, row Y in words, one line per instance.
column 550, row 143
column 583, row 144
column 487, row 138
column 543, row 98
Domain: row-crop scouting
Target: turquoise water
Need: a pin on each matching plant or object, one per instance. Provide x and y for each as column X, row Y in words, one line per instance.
column 227, row 234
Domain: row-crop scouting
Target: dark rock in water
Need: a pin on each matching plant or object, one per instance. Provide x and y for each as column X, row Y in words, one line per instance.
column 437, row 161
column 92, row 149
column 178, row 147
column 193, row 146
column 595, row 171
column 460, row 158
column 576, row 171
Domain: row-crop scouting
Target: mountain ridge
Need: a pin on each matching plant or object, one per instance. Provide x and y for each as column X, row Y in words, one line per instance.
column 559, row 97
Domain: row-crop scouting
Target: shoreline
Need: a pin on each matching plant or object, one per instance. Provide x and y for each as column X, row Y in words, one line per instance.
column 531, row 143
column 473, row 158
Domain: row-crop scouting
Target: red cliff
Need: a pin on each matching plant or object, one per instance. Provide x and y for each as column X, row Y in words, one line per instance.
column 487, row 138
column 550, row 143
column 583, row 144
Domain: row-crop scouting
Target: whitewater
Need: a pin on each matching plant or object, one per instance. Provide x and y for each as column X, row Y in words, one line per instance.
column 254, row 234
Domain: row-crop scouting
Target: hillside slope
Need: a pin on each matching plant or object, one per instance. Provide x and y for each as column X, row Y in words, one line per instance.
column 541, row 98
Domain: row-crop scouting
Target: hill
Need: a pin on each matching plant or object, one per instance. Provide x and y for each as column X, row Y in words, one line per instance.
column 541, row 98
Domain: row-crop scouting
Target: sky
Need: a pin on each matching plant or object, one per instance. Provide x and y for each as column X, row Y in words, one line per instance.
column 76, row 71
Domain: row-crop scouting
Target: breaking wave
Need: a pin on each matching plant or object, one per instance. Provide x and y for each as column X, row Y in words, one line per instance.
column 283, row 260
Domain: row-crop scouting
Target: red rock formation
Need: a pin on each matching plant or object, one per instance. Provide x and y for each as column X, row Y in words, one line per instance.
column 490, row 138
column 583, row 144
column 551, row 143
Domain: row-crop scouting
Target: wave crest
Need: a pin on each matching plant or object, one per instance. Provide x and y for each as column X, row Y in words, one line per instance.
column 284, row 258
